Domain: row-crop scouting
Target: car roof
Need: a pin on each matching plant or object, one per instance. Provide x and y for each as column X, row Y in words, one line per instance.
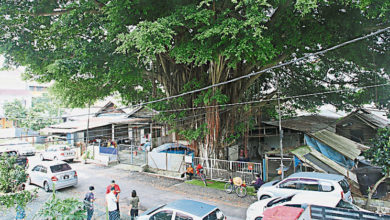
column 323, row 176
column 51, row 163
column 196, row 208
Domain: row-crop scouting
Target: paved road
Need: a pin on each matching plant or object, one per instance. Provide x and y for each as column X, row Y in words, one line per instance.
column 152, row 190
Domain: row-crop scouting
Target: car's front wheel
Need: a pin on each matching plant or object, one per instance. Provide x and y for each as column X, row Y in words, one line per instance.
column 46, row 186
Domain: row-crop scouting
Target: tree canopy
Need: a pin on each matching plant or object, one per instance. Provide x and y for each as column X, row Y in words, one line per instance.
column 43, row 112
column 148, row 49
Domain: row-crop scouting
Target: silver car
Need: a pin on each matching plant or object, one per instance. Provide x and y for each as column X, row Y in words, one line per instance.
column 48, row 173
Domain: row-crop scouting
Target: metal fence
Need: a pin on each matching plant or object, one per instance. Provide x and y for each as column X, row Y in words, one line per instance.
column 130, row 154
column 222, row 169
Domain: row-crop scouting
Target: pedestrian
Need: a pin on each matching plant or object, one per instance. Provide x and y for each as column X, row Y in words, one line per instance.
column 116, row 191
column 111, row 203
column 20, row 212
column 134, row 205
column 88, row 202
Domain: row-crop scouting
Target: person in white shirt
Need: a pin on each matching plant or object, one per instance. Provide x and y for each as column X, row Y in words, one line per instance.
column 111, row 200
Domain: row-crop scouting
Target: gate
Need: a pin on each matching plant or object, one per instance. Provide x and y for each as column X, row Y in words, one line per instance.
column 130, row 154
column 222, row 169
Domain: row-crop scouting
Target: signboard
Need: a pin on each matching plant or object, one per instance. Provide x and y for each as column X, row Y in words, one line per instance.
column 250, row 166
column 188, row 159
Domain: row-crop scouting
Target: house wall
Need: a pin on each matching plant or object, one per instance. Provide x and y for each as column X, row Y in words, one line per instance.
column 4, row 123
column 258, row 146
column 354, row 129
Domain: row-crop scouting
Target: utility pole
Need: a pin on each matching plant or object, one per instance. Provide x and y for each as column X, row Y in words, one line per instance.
column 280, row 131
column 86, row 148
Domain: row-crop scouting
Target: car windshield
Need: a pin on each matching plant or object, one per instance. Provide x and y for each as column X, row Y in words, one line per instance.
column 346, row 205
column 60, row 168
column 279, row 201
column 215, row 215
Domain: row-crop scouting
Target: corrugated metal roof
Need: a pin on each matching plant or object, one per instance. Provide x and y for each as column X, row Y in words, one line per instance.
column 368, row 118
column 310, row 123
column 341, row 144
column 94, row 122
column 320, row 162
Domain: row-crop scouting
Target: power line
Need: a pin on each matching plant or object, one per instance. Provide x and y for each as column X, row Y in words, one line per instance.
column 273, row 67
column 251, row 74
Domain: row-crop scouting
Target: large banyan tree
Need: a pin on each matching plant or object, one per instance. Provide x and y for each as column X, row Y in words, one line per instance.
column 145, row 50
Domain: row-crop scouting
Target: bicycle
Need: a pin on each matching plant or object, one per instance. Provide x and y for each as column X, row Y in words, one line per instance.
column 202, row 176
column 239, row 188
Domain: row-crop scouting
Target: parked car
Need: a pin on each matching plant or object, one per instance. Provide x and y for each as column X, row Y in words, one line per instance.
column 255, row 210
column 25, row 149
column 46, row 173
column 58, row 152
column 173, row 148
column 319, row 184
column 20, row 160
column 183, row 209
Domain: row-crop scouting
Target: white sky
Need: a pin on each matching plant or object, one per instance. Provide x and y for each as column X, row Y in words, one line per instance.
column 11, row 79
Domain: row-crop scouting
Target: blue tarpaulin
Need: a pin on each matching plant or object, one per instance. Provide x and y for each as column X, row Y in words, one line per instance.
column 329, row 152
column 107, row 150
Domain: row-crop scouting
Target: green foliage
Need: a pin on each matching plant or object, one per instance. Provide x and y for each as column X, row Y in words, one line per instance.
column 42, row 113
column 62, row 209
column 11, row 174
column 379, row 152
column 195, row 134
column 11, row 177
column 145, row 50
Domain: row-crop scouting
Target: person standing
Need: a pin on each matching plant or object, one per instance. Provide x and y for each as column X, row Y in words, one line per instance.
column 116, row 191
column 111, row 203
column 88, row 202
column 134, row 205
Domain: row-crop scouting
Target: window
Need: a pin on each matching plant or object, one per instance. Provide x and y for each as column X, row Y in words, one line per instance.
column 290, row 184
column 60, row 168
column 43, row 169
column 344, row 185
column 181, row 216
column 215, row 215
column 36, row 168
column 310, row 185
column 163, row 215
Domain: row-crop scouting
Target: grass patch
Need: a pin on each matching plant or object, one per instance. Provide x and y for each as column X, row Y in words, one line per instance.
column 219, row 185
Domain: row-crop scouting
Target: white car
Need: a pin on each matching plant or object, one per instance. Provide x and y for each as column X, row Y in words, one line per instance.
column 255, row 210
column 319, row 184
column 48, row 173
column 184, row 209
column 26, row 149
column 58, row 152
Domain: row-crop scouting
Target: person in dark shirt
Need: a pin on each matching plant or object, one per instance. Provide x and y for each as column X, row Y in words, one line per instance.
column 258, row 182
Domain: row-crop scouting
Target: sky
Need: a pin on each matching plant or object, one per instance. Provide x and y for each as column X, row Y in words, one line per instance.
column 11, row 79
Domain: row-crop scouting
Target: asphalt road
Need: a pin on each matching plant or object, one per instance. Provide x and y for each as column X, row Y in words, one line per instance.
column 152, row 190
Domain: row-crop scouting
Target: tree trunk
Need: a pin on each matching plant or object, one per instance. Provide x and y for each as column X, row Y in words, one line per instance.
column 371, row 191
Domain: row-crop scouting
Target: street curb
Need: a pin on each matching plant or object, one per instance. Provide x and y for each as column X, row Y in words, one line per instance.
column 163, row 176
